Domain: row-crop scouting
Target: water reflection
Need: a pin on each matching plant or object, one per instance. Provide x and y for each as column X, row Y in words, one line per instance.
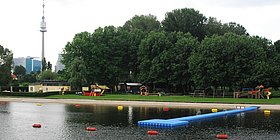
column 67, row 121
column 130, row 115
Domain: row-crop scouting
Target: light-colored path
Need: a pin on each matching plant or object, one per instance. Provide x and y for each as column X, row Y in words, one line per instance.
column 140, row 103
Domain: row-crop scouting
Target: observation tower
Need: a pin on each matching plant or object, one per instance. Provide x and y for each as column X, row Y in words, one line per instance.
column 43, row 30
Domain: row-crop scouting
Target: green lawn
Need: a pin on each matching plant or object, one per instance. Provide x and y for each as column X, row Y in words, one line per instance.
column 188, row 99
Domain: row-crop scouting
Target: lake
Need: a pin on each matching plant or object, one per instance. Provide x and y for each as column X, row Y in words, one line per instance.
column 67, row 121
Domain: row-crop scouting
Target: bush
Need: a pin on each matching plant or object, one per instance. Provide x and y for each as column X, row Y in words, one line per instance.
column 28, row 94
column 275, row 93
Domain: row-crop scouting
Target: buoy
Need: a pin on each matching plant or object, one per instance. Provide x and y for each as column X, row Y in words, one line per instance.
column 91, row 129
column 37, row 125
column 222, row 136
column 120, row 107
column 77, row 105
column 152, row 132
column 165, row 109
column 214, row 110
column 266, row 113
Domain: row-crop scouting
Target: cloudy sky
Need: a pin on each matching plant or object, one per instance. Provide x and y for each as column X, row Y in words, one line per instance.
column 20, row 19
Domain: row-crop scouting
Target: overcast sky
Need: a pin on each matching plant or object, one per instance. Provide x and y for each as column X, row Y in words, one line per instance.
column 20, row 19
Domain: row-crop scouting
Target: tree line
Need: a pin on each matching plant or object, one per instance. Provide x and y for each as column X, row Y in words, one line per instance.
column 184, row 51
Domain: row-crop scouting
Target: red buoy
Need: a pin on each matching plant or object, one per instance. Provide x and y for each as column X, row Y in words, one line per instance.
column 77, row 105
column 166, row 109
column 222, row 136
column 37, row 125
column 152, row 132
column 91, row 129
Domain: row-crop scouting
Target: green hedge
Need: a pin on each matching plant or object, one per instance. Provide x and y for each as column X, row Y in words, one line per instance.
column 28, row 94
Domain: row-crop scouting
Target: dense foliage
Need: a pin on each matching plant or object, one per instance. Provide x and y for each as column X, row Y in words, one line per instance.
column 6, row 57
column 185, row 51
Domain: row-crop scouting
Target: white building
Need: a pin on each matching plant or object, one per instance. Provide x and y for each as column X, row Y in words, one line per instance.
column 59, row 66
column 21, row 61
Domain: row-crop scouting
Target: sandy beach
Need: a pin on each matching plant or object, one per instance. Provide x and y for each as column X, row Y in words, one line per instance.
column 139, row 103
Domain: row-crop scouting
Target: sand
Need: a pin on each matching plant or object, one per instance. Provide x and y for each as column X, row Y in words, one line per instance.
column 139, row 103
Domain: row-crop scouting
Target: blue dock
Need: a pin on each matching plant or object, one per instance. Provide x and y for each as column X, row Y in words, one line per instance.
column 183, row 121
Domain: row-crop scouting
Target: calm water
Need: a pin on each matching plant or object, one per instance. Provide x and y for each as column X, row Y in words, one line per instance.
column 65, row 121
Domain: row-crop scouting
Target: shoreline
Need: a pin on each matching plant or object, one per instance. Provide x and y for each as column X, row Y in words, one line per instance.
column 139, row 103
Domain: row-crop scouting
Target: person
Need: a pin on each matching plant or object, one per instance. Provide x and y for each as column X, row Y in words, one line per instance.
column 268, row 93
column 261, row 90
column 62, row 90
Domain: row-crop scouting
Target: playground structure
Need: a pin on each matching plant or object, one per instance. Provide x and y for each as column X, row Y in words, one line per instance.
column 94, row 90
column 258, row 93
column 144, row 91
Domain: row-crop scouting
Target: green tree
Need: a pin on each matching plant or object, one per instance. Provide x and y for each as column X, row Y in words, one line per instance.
column 234, row 28
column 49, row 66
column 81, row 48
column 47, row 75
column 44, row 64
column 228, row 60
column 19, row 71
column 151, row 66
column 77, row 73
column 213, row 27
column 143, row 22
column 177, row 56
column 163, row 59
column 6, row 57
column 271, row 71
column 29, row 78
column 185, row 20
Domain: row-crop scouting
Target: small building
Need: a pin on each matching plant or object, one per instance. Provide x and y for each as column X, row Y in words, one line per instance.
column 130, row 87
column 49, row 86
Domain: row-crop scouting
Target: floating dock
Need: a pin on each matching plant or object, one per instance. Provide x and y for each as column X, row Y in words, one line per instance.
column 183, row 121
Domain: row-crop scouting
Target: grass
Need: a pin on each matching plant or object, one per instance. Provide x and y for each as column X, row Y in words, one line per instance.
column 188, row 99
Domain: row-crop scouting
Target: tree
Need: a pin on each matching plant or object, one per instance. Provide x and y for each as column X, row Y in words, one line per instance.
column 230, row 60
column 44, row 64
column 185, row 20
column 77, row 73
column 143, row 22
column 213, row 27
column 6, row 57
column 19, row 71
column 272, row 70
column 49, row 66
column 47, row 75
column 29, row 78
column 80, row 48
column 151, row 66
column 177, row 56
column 163, row 59
column 234, row 28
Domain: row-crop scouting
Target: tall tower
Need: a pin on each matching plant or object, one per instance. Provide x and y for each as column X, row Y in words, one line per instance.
column 43, row 30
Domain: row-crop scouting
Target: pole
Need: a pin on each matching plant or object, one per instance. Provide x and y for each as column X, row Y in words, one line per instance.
column 43, row 52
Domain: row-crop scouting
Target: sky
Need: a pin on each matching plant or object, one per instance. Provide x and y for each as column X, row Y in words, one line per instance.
column 20, row 19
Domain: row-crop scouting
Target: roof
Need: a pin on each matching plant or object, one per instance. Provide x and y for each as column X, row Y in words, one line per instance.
column 131, row 84
column 51, row 83
column 100, row 86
